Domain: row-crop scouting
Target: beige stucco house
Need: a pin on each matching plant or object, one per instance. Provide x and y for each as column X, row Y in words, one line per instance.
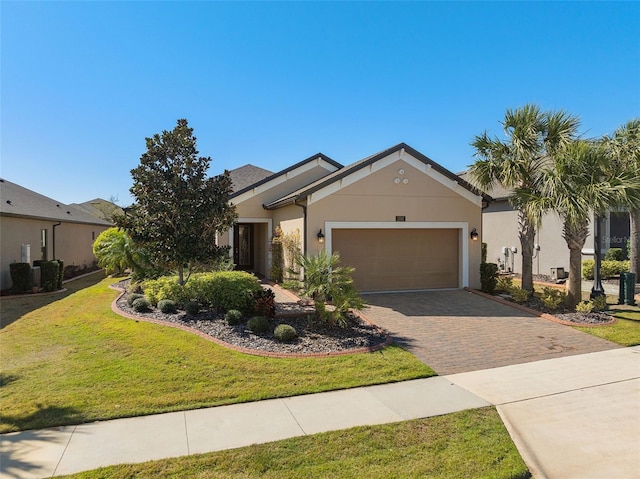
column 500, row 233
column 34, row 227
column 402, row 220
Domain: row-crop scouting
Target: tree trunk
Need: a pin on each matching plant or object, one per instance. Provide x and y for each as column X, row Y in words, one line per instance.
column 527, row 238
column 634, row 217
column 575, row 237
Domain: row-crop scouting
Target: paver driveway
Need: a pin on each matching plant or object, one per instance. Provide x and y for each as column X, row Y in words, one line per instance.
column 458, row 331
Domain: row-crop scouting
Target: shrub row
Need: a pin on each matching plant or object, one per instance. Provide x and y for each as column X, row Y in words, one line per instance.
column 223, row 290
column 608, row 269
column 20, row 277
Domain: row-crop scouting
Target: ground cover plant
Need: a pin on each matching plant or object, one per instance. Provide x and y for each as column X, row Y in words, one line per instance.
column 67, row 358
column 465, row 444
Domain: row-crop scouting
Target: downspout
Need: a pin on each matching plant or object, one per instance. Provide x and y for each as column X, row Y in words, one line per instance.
column 304, row 226
column 53, row 242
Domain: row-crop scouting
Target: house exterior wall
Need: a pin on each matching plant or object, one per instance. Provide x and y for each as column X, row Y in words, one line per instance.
column 500, row 229
column 379, row 198
column 73, row 242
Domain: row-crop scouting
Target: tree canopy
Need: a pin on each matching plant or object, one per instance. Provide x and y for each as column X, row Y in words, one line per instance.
column 178, row 209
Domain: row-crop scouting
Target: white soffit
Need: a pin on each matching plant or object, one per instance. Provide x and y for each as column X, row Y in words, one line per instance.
column 400, row 155
column 309, row 165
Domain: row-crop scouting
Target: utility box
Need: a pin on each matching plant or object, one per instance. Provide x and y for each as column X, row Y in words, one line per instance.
column 627, row 289
column 557, row 273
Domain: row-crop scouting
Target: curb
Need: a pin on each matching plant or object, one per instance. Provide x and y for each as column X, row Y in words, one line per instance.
column 540, row 314
column 240, row 349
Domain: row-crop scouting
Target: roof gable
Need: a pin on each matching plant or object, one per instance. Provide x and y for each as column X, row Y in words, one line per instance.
column 247, row 175
column 282, row 176
column 352, row 173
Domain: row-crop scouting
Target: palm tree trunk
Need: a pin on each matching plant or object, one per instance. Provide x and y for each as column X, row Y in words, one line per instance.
column 575, row 236
column 634, row 217
column 527, row 238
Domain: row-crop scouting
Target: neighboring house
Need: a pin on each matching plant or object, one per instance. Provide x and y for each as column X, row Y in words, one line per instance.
column 500, row 232
column 403, row 221
column 34, row 227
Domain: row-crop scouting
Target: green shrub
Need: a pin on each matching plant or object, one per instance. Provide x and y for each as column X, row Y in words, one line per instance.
column 60, row 274
column 165, row 287
column 484, row 253
column 614, row 254
column 291, row 285
column 20, row 277
column 132, row 297
column 553, row 298
column 192, row 308
column 584, row 307
column 277, row 261
column 265, row 303
column 608, row 269
column 141, row 305
column 285, row 333
column 519, row 295
column 599, row 303
column 49, row 272
column 168, row 306
column 233, row 317
column 504, row 283
column 488, row 277
column 259, row 325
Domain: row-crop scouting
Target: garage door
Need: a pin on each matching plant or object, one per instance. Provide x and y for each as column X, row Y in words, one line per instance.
column 400, row 259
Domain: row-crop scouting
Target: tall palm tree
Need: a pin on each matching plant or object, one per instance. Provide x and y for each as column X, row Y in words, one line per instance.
column 581, row 180
column 532, row 138
column 624, row 148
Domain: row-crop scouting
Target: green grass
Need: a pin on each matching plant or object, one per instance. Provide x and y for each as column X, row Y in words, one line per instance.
column 68, row 359
column 471, row 444
column 625, row 332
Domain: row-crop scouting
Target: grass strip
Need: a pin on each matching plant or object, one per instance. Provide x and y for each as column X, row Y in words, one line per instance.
column 470, row 443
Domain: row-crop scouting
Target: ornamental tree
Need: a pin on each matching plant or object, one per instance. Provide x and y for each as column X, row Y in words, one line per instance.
column 178, row 209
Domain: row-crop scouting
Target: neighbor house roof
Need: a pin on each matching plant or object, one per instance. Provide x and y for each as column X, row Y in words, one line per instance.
column 17, row 201
column 305, row 191
column 497, row 192
column 246, row 176
column 318, row 156
column 99, row 208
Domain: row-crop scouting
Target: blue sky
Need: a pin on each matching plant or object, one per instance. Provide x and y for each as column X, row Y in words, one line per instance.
column 271, row 83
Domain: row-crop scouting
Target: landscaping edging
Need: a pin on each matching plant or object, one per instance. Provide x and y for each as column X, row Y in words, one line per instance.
column 254, row 352
column 534, row 312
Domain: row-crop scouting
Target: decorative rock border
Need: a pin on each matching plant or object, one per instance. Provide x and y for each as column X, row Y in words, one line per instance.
column 534, row 312
column 253, row 352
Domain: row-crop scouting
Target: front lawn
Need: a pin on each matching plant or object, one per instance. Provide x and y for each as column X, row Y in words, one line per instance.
column 68, row 359
column 626, row 332
column 465, row 444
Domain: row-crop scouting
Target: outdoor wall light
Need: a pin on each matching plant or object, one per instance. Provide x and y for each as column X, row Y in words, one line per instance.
column 320, row 236
column 474, row 234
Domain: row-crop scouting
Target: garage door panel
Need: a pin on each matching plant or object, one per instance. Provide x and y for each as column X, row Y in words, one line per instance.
column 400, row 259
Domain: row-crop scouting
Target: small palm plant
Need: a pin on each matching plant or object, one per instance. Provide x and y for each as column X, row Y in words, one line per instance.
column 325, row 281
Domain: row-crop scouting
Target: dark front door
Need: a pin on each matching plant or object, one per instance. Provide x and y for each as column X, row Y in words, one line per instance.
column 243, row 246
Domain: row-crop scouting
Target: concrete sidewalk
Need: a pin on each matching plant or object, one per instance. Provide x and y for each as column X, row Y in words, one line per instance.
column 570, row 417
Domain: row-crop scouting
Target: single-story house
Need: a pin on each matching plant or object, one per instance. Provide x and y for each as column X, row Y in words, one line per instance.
column 500, row 233
column 402, row 220
column 34, row 227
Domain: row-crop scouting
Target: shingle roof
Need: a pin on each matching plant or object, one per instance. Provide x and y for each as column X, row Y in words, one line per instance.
column 18, row 201
column 497, row 192
column 347, row 170
column 247, row 175
column 99, row 208
column 285, row 171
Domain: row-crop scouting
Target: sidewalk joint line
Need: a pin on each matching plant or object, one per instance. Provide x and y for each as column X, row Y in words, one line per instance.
column 66, row 446
column 186, row 431
column 294, row 417
column 567, row 391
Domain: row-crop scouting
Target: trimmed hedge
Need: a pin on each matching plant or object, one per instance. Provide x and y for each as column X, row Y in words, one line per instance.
column 20, row 277
column 608, row 269
column 488, row 277
column 224, row 290
column 50, row 275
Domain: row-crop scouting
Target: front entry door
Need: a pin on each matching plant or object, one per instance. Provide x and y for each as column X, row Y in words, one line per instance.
column 243, row 246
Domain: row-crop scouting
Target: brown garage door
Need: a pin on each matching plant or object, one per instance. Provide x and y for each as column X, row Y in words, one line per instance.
column 400, row 259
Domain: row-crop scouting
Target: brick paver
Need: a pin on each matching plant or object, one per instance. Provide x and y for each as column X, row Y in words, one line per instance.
column 458, row 331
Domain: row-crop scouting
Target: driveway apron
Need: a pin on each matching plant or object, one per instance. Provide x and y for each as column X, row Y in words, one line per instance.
column 457, row 331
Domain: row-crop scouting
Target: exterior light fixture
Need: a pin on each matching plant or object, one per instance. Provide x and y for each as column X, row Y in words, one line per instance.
column 474, row 234
column 320, row 236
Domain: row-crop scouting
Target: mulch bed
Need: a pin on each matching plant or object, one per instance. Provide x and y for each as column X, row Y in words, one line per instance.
column 313, row 339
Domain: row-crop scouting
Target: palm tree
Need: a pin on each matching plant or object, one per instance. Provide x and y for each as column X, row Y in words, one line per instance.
column 581, row 180
column 624, row 148
column 533, row 137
